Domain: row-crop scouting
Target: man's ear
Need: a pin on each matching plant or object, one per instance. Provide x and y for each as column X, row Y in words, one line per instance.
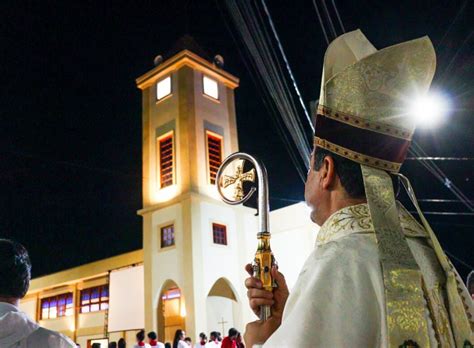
column 328, row 174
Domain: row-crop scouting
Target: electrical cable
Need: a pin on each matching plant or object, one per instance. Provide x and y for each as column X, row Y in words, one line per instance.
column 328, row 17
column 323, row 29
column 338, row 17
column 265, row 62
column 295, row 86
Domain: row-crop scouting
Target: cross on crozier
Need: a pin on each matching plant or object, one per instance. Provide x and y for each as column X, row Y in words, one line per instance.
column 238, row 179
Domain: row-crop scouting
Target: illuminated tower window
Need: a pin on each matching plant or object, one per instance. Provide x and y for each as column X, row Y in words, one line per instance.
column 163, row 88
column 210, row 87
column 214, row 155
column 219, row 233
column 167, row 236
column 166, row 160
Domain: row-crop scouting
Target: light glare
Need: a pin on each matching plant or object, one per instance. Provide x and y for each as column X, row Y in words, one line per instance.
column 429, row 110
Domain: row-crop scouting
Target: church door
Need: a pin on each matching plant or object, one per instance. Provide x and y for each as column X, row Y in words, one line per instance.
column 171, row 313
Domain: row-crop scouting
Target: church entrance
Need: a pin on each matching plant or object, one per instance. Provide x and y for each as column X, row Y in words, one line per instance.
column 222, row 307
column 171, row 311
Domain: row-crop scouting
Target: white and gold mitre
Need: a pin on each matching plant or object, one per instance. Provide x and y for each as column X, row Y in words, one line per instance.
column 362, row 113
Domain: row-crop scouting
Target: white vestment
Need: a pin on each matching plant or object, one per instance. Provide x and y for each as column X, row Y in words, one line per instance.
column 213, row 344
column 19, row 331
column 159, row 345
column 338, row 299
column 182, row 344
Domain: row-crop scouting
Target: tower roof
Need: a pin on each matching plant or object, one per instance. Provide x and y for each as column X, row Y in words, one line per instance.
column 186, row 51
column 187, row 42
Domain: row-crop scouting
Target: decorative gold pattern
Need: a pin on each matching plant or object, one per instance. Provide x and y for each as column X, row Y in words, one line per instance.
column 362, row 123
column 405, row 307
column 357, row 156
column 438, row 313
column 406, row 310
column 238, row 179
column 376, row 86
column 356, row 219
column 460, row 324
column 411, row 227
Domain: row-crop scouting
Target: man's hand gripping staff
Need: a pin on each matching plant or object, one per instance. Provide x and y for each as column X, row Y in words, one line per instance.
column 230, row 184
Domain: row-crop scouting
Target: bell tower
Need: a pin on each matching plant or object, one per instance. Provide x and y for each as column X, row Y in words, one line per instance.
column 188, row 123
column 191, row 244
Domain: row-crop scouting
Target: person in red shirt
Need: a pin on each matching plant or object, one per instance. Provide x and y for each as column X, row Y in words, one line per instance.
column 239, row 342
column 229, row 341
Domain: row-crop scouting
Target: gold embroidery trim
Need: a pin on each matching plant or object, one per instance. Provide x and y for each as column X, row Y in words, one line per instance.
column 405, row 303
column 357, row 156
column 356, row 219
column 362, row 123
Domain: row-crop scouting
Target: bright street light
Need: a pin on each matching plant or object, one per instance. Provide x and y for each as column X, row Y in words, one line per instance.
column 429, row 110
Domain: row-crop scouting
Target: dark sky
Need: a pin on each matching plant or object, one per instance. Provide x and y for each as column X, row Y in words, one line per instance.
column 70, row 114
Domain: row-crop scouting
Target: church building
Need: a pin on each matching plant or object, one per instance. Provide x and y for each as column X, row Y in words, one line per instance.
column 190, row 272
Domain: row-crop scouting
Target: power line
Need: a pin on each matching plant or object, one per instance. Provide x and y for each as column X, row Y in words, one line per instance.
column 321, row 22
column 459, row 260
column 295, row 86
column 439, row 174
column 338, row 17
column 328, row 17
column 264, row 61
column 438, row 200
column 439, row 158
column 446, row 213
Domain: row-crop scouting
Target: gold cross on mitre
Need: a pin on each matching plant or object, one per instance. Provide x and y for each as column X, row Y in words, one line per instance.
column 238, row 179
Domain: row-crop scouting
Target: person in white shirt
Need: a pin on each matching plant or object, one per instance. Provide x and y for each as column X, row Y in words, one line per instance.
column 141, row 340
column 178, row 341
column 202, row 341
column 153, row 340
column 16, row 328
column 213, row 340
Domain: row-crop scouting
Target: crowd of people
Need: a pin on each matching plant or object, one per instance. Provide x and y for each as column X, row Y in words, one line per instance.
column 215, row 340
column 18, row 330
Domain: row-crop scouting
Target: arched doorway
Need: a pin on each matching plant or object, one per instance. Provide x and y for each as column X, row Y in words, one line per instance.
column 222, row 307
column 171, row 311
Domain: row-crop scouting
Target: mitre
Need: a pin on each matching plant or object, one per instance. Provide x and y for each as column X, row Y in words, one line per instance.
column 365, row 94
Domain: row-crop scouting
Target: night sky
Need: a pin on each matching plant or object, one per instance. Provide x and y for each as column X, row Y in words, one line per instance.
column 70, row 113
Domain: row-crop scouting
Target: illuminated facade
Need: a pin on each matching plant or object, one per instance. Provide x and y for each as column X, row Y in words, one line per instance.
column 194, row 246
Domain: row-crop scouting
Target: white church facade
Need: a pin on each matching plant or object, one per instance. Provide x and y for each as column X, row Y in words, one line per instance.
column 190, row 273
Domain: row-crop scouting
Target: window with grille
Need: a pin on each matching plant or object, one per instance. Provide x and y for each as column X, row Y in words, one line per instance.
column 57, row 306
column 167, row 236
column 166, row 160
column 219, row 233
column 214, row 155
column 95, row 299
